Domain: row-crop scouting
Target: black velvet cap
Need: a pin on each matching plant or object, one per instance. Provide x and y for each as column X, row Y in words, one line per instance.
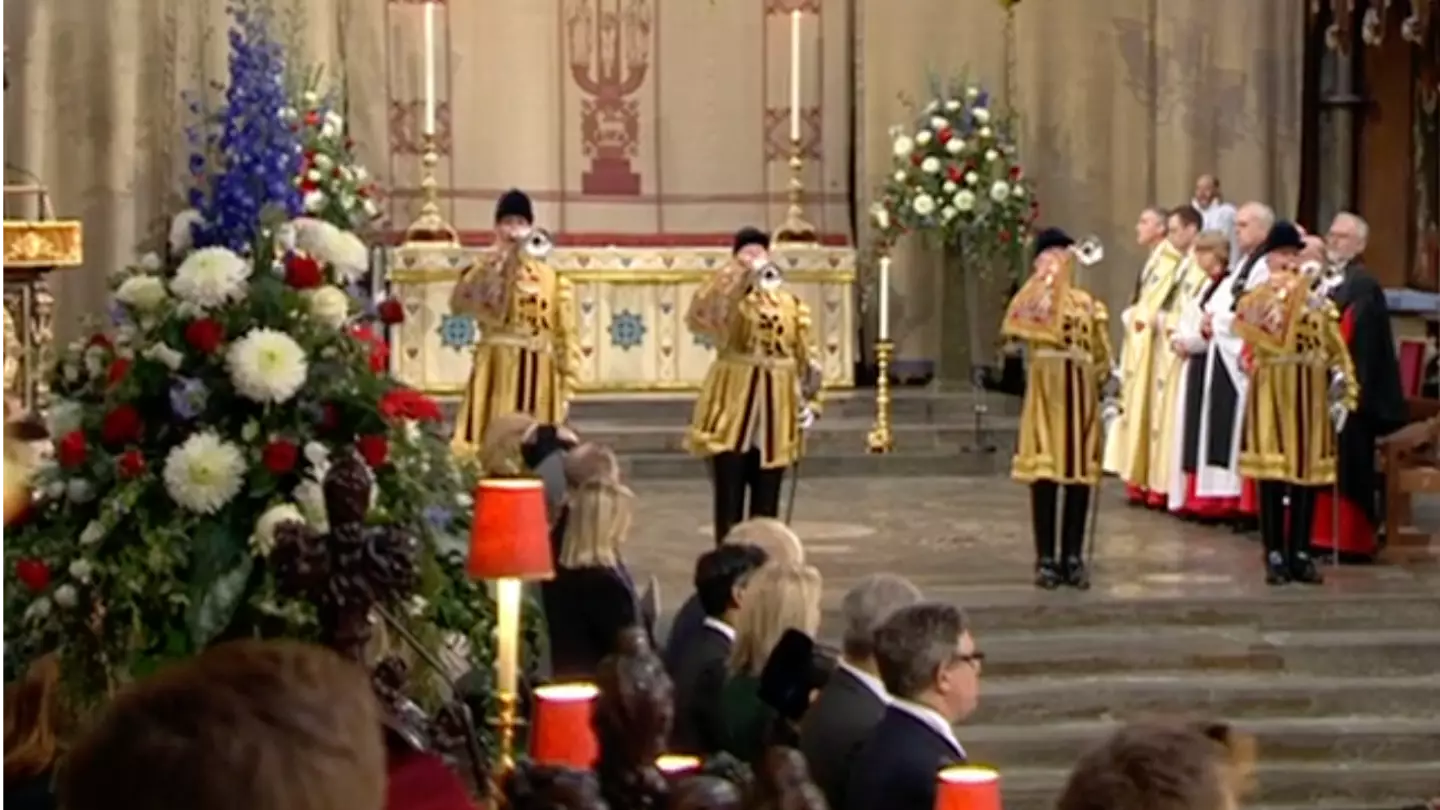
column 515, row 203
column 749, row 235
column 1052, row 238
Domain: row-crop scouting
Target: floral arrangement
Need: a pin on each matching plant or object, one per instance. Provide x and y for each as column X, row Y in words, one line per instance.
column 956, row 173
column 197, row 431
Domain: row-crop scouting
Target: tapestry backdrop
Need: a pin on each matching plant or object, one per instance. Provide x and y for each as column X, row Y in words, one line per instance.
column 666, row 120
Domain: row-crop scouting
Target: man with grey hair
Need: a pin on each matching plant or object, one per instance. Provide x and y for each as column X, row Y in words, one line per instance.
column 854, row 700
column 1365, row 324
column 931, row 669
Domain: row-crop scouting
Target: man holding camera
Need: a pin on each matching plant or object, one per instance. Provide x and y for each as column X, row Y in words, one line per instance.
column 762, row 389
column 527, row 355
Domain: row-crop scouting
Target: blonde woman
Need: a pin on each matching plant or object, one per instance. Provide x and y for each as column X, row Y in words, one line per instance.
column 32, row 748
column 592, row 598
column 779, row 597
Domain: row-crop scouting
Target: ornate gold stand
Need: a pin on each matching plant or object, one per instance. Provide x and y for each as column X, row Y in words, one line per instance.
column 33, row 248
column 881, row 439
column 430, row 227
column 796, row 227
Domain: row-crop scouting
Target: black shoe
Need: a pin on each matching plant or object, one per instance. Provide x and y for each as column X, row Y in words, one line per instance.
column 1303, row 569
column 1276, row 572
column 1075, row 574
column 1047, row 576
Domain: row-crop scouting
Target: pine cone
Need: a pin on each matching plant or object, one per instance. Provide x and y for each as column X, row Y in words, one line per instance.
column 347, row 490
column 392, row 561
column 301, row 560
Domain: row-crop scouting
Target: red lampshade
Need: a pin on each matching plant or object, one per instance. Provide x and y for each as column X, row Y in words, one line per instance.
column 562, row 734
column 510, row 536
column 965, row 787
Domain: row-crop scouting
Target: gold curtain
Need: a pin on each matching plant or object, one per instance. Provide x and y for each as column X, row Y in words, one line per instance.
column 1122, row 103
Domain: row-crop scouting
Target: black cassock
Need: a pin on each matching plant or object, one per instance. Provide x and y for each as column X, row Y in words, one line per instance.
column 1365, row 322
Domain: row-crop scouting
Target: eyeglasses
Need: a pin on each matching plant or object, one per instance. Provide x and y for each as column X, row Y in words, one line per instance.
column 975, row 659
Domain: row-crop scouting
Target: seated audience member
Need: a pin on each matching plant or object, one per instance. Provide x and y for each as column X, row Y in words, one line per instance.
column 245, row 725
column 1162, row 766
column 779, row 597
column 31, row 737
column 517, row 445
column 782, row 782
column 931, row 670
column 853, row 701
column 591, row 599
column 779, row 543
column 720, row 578
column 549, row 787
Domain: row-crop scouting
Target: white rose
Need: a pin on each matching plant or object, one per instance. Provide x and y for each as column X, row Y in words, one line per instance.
column 80, row 571
column 333, row 119
column 924, row 205
column 938, row 123
column 262, row 539
column 65, row 596
column 955, row 146
column 965, row 200
column 143, row 293
column 899, row 176
column 930, row 165
column 329, row 305
column 999, row 191
column 323, row 162
column 952, row 105
column 1017, row 191
column 314, row 201
column 991, row 155
column 164, row 355
column 985, row 132
column 313, row 175
column 948, row 213
column 981, row 115
column 93, row 533
column 881, row 215
column 949, row 187
column 903, row 146
column 923, row 137
column 971, row 178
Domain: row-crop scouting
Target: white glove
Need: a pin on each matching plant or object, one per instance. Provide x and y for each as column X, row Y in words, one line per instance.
column 1113, row 385
column 1110, row 410
column 1339, row 414
column 806, row 418
column 1337, row 385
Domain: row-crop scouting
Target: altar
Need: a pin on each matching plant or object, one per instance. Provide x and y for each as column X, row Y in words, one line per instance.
column 630, row 307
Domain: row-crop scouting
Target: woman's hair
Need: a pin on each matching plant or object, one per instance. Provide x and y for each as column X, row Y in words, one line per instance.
column 598, row 508
column 777, row 598
column 779, row 541
column 500, row 455
column 32, row 713
column 1215, row 243
column 245, row 725
column 1163, row 765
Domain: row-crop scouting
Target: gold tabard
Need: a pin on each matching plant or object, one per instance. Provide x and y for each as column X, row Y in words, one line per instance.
column 1266, row 316
column 1037, row 309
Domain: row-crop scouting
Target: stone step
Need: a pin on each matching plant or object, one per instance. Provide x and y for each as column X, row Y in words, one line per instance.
column 907, row 405
column 827, row 437
column 856, row 463
column 1363, row 786
column 1081, row 652
column 1338, row 741
column 1128, row 696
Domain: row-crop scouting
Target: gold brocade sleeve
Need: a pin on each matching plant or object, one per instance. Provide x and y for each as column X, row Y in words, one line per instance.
column 1100, row 351
column 1338, row 356
column 567, row 342
column 807, row 359
column 480, row 292
column 709, row 312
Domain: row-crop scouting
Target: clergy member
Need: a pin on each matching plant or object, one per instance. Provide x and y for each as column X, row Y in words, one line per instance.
column 1182, row 229
column 1217, row 214
column 527, row 356
column 1365, row 325
column 1191, row 343
column 1066, row 334
column 1302, row 390
column 1127, row 450
column 1217, row 481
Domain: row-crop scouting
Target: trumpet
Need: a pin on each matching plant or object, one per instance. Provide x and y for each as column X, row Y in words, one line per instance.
column 1089, row 252
column 768, row 275
column 536, row 243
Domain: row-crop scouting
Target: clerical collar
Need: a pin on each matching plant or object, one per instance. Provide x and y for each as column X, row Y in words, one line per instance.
column 931, row 718
column 869, row 681
column 720, row 627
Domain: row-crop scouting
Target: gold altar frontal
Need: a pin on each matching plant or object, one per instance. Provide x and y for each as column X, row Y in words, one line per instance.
column 630, row 304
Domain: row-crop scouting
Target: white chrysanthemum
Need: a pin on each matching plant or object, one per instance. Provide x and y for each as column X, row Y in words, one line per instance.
column 93, row 533
column 329, row 305
column 949, row 187
column 955, row 146
column 881, row 215
column 323, row 162
column 971, row 178
column 999, row 191
column 964, row 200
column 924, row 205
column 65, row 596
column 923, row 137
column 948, row 213
column 204, row 473
column 350, row 258
column 991, row 155
column 930, row 165
column 981, row 115
column 938, row 122
column 899, row 176
column 164, row 355
column 81, row 571
column 262, row 539
column 267, row 365
column 211, row 277
column 1017, row 191
column 182, row 231
column 314, row 201
column 952, row 105
column 985, row 132
column 143, row 293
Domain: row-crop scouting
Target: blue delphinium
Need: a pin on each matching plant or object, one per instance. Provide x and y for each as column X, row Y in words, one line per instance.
column 246, row 156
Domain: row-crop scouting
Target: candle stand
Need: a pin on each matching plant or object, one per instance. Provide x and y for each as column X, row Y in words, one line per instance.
column 796, row 227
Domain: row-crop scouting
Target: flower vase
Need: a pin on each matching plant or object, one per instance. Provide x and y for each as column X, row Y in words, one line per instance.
column 972, row 299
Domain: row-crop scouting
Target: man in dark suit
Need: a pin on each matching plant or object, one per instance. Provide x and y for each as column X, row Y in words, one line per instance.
column 699, row 670
column 931, row 669
column 854, row 699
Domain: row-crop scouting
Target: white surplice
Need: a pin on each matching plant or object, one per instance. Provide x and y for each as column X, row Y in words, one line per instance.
column 1223, row 356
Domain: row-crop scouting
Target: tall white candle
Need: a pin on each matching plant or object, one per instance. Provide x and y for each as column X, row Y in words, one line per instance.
column 507, row 635
column 429, row 68
column 795, row 75
column 884, row 297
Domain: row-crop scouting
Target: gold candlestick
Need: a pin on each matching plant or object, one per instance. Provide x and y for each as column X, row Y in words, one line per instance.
column 506, row 723
column 430, row 226
column 881, row 439
column 796, row 227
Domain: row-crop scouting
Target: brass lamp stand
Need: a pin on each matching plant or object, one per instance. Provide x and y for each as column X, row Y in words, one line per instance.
column 796, row 229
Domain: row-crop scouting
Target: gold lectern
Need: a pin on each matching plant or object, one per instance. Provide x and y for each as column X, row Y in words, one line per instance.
column 35, row 244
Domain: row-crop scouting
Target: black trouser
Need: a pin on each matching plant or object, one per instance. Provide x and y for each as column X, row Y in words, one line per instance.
column 733, row 472
column 1272, row 517
column 1044, row 511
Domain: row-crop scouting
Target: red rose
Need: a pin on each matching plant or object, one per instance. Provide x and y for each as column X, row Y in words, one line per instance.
column 204, row 335
column 391, row 311
column 279, row 456
column 944, row 135
column 407, row 403
column 130, row 464
column 33, row 574
column 119, row 367
column 99, row 341
column 70, row 451
column 1015, row 172
column 374, row 449
column 954, row 174
column 120, row 426
column 312, row 118
column 917, row 158
column 302, row 272
column 379, row 357
column 329, row 417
